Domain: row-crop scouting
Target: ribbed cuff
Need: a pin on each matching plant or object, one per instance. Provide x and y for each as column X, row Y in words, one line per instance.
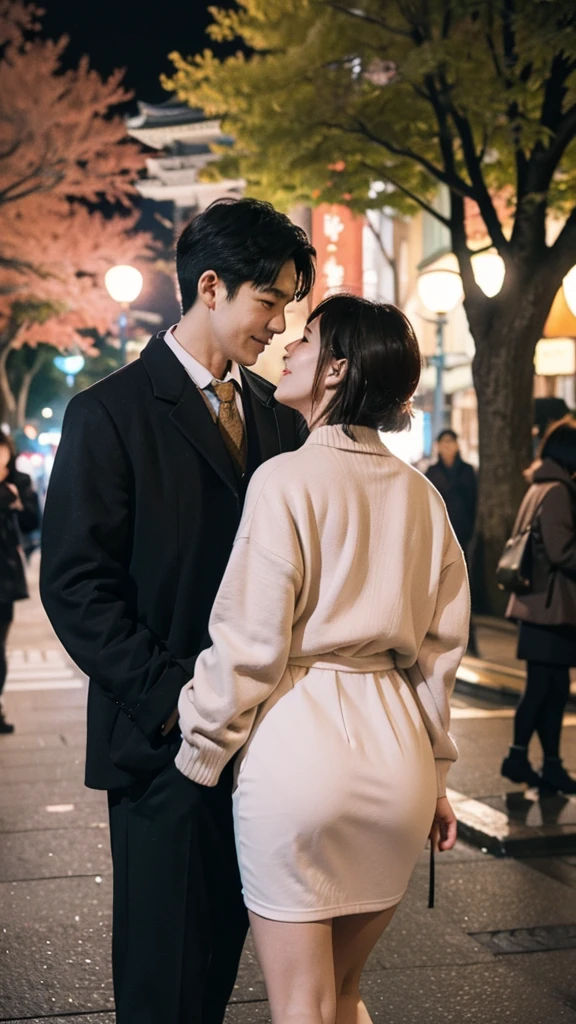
column 202, row 766
column 442, row 768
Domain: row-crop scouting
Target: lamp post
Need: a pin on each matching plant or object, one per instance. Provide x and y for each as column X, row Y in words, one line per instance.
column 440, row 291
column 123, row 284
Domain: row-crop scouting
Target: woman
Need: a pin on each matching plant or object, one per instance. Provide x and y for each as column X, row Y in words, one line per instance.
column 547, row 614
column 337, row 632
column 18, row 511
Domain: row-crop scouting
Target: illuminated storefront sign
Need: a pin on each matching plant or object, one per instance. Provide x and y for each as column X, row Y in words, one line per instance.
column 337, row 236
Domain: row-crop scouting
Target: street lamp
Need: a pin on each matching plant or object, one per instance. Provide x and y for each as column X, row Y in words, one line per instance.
column 569, row 286
column 123, row 284
column 489, row 272
column 440, row 291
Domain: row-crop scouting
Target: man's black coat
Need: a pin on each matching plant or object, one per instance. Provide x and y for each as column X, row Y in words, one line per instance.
column 141, row 514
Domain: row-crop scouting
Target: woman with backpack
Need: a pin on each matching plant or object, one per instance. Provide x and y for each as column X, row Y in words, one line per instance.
column 546, row 613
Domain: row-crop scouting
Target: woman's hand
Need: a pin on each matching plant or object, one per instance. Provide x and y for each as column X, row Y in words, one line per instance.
column 444, row 827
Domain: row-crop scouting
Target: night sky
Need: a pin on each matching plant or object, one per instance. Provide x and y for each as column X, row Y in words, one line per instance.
column 133, row 34
column 136, row 35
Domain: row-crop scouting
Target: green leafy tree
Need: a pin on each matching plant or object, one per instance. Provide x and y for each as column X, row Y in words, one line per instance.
column 478, row 96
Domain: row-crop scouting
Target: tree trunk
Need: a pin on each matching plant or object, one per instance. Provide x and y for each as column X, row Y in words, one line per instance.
column 503, row 372
column 7, row 400
column 24, row 391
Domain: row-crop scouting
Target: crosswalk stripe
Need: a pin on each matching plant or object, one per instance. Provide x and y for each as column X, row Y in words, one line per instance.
column 41, row 673
column 49, row 684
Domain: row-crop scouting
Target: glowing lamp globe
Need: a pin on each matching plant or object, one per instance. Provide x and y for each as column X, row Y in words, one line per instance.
column 440, row 290
column 123, row 283
column 569, row 286
column 70, row 365
column 489, row 272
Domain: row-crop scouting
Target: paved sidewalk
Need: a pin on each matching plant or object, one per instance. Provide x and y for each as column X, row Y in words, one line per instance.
column 465, row 961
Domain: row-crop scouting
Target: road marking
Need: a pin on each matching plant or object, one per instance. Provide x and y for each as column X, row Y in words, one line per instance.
column 32, row 670
column 40, row 684
column 41, row 673
column 468, row 713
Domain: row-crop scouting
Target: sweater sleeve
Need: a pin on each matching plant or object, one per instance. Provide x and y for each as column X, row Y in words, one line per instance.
column 434, row 673
column 251, row 631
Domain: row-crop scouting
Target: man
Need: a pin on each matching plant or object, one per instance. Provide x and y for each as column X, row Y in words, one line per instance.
column 456, row 481
column 143, row 505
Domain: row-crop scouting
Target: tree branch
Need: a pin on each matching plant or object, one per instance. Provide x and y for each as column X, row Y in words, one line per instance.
column 454, row 182
column 411, row 195
column 367, row 18
column 442, row 104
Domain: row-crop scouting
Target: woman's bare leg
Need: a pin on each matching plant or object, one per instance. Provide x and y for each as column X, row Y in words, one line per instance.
column 298, row 969
column 353, row 939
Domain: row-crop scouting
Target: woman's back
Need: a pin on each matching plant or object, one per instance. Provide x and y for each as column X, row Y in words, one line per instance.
column 368, row 536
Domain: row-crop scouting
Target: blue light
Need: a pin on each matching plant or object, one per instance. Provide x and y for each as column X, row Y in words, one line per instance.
column 70, row 365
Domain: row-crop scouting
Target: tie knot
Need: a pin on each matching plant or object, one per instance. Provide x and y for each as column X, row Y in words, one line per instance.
column 224, row 389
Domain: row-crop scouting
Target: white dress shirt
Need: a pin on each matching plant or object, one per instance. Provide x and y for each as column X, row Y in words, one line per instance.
column 202, row 377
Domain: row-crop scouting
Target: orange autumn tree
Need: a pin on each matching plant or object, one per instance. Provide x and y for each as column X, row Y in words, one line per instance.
column 63, row 151
column 57, row 134
column 71, row 250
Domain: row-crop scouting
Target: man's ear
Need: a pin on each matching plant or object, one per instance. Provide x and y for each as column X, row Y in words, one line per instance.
column 207, row 288
column 336, row 373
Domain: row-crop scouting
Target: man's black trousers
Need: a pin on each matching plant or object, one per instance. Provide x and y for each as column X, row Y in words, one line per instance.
column 179, row 922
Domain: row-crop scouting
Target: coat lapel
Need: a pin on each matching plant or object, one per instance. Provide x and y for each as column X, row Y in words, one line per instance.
column 189, row 414
column 263, row 414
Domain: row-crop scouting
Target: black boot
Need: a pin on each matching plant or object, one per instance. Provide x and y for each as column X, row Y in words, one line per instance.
column 5, row 727
column 554, row 776
column 517, row 767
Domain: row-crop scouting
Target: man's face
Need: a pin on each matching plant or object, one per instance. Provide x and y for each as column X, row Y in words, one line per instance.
column 448, row 449
column 242, row 327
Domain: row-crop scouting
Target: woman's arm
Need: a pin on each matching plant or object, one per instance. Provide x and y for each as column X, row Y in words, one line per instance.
column 434, row 673
column 251, row 632
column 558, row 529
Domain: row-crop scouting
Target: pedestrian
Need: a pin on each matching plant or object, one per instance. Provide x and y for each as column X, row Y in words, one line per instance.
column 547, row 613
column 18, row 515
column 337, row 632
column 143, row 504
column 456, row 481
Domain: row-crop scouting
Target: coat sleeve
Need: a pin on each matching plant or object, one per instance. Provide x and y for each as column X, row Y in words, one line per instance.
column 29, row 517
column 558, row 529
column 434, row 673
column 251, row 632
column 84, row 578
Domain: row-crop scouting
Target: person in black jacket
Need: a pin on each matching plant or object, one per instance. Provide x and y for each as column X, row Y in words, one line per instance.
column 18, row 514
column 143, row 505
column 456, row 481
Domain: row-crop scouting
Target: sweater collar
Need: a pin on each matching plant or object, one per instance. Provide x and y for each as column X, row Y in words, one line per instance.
column 367, row 440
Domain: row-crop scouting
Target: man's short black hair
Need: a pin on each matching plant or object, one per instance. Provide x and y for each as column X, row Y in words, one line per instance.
column 447, row 433
column 242, row 240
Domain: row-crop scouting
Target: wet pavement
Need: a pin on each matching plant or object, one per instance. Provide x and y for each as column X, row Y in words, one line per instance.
column 456, row 963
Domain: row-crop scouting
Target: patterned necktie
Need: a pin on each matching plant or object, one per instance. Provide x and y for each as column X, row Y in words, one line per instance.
column 230, row 422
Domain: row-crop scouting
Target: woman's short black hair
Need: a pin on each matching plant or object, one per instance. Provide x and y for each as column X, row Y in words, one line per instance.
column 384, row 362
column 241, row 240
column 559, row 443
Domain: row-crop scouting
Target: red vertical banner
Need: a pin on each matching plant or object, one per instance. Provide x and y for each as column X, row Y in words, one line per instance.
column 337, row 237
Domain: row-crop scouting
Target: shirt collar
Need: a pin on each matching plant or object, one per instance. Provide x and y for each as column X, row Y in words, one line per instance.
column 201, row 377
